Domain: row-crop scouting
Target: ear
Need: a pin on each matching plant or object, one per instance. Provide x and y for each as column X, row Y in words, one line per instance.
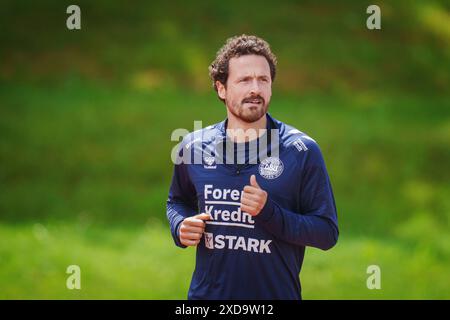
column 221, row 90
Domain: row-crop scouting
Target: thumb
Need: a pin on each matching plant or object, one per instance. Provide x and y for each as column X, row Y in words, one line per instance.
column 253, row 182
column 203, row 216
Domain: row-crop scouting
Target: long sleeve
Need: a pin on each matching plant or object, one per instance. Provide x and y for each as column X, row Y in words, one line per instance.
column 182, row 200
column 316, row 223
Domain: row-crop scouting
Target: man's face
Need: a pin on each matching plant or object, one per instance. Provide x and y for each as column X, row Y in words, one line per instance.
column 249, row 87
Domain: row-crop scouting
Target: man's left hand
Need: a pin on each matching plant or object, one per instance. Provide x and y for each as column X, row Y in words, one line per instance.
column 253, row 198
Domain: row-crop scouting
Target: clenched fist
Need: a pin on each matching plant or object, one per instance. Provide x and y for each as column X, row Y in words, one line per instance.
column 253, row 198
column 192, row 228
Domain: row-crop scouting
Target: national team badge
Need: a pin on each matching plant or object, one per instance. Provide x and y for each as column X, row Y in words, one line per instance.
column 271, row 168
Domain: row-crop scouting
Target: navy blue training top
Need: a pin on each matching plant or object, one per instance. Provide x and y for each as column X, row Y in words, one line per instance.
column 245, row 257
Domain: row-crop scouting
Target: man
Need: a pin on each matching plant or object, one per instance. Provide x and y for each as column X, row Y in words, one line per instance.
column 250, row 214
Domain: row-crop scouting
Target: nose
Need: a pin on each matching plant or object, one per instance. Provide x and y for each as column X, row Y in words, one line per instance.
column 255, row 89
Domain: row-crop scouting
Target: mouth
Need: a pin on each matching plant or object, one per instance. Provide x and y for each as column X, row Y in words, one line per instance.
column 256, row 101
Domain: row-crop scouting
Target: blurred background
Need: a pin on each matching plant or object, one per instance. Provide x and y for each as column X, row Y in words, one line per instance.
column 86, row 118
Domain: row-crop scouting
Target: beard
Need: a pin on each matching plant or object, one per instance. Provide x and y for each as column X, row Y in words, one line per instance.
column 250, row 109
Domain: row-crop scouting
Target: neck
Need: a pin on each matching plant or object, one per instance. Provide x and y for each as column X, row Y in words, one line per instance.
column 241, row 131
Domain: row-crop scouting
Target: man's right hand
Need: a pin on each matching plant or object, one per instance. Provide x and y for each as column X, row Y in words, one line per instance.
column 192, row 228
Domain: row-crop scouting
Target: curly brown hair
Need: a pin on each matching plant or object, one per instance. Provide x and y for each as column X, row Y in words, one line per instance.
column 238, row 46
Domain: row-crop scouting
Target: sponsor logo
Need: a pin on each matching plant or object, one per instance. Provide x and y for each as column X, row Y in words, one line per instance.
column 229, row 212
column 209, row 162
column 271, row 168
column 236, row 243
column 209, row 242
column 300, row 145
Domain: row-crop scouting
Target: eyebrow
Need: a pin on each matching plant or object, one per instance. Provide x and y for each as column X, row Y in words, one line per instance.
column 248, row 77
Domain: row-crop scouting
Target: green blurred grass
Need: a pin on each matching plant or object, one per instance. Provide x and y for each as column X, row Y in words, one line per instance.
column 138, row 263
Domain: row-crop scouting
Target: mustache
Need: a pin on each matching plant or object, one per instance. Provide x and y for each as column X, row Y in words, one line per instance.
column 249, row 99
